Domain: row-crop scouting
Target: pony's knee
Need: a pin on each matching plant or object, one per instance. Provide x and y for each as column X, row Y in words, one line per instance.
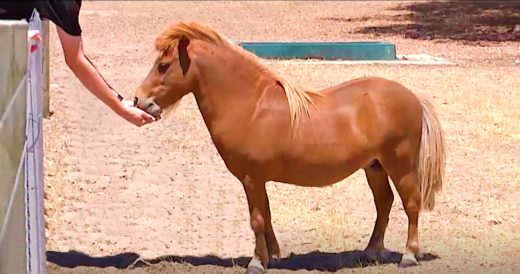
column 258, row 224
column 413, row 206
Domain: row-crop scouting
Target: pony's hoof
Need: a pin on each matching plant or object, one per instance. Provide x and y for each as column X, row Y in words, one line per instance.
column 408, row 260
column 277, row 255
column 255, row 267
column 254, row 270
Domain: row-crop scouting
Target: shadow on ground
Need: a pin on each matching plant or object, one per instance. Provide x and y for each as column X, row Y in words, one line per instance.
column 311, row 261
column 466, row 21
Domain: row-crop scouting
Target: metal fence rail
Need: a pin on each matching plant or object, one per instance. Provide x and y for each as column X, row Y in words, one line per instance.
column 22, row 234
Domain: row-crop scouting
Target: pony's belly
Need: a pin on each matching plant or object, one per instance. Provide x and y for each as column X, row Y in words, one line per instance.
column 316, row 175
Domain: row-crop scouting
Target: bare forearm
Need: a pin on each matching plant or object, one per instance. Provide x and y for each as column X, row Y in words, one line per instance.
column 91, row 79
column 94, row 82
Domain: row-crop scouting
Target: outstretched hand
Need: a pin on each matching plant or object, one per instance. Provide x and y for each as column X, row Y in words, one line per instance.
column 135, row 115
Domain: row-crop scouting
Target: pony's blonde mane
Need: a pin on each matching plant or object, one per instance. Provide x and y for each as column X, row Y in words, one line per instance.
column 169, row 37
column 299, row 99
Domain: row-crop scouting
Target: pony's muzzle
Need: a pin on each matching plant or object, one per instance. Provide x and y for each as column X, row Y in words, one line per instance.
column 149, row 106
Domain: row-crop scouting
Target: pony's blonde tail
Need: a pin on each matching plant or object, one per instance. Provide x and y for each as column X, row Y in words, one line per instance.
column 431, row 157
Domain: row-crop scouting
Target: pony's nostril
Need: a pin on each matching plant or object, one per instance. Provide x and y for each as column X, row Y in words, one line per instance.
column 151, row 104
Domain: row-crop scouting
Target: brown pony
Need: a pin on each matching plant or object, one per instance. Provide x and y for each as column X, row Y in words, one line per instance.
column 267, row 129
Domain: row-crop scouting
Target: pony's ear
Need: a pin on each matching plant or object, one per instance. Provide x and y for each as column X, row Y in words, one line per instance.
column 184, row 59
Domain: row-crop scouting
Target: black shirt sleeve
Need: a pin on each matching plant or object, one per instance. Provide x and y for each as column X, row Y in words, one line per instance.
column 63, row 13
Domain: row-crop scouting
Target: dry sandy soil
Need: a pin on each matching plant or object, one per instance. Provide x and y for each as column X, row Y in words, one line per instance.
column 115, row 192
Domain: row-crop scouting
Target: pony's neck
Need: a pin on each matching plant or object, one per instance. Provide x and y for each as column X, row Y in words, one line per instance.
column 229, row 86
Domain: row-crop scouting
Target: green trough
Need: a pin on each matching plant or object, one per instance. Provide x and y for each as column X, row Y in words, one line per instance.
column 323, row 50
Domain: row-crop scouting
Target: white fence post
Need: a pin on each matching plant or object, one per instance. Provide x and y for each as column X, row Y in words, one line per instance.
column 34, row 155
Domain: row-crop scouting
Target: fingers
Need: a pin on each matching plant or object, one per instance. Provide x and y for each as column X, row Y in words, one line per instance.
column 137, row 116
column 145, row 115
column 141, row 122
column 148, row 118
column 145, row 118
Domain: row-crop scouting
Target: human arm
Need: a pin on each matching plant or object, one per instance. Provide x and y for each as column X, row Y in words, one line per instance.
column 94, row 82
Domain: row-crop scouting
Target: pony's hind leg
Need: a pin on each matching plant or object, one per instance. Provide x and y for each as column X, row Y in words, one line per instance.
column 383, row 198
column 401, row 170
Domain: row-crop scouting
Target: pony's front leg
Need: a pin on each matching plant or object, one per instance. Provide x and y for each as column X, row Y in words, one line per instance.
column 272, row 244
column 256, row 198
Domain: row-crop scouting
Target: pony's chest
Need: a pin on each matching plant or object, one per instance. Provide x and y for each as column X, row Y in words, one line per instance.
column 246, row 137
column 244, row 146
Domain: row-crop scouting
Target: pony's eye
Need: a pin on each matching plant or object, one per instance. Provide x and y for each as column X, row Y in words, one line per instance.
column 163, row 67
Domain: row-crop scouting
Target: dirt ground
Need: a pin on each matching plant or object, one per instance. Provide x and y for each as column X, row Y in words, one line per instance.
column 115, row 192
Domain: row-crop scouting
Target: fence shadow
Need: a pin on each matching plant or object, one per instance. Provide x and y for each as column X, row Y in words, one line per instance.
column 466, row 21
column 313, row 261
